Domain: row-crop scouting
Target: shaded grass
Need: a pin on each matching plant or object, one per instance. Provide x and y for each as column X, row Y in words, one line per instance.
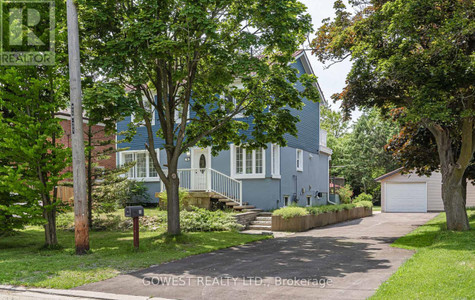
column 23, row 262
column 442, row 268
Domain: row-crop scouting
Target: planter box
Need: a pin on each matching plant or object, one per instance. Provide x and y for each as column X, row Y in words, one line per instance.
column 303, row 223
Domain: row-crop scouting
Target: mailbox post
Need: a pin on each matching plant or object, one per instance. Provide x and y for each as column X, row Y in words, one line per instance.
column 135, row 212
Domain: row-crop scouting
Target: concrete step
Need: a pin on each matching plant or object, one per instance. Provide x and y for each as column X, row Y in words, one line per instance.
column 268, row 223
column 252, row 210
column 269, row 219
column 265, row 214
column 225, row 200
column 260, row 227
column 232, row 203
column 243, row 207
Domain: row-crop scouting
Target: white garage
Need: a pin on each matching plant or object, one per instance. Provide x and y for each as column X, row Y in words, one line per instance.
column 413, row 193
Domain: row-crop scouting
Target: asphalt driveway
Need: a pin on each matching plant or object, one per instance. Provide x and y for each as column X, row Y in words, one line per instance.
column 343, row 261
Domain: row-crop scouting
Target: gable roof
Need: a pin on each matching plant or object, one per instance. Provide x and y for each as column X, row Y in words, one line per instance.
column 394, row 172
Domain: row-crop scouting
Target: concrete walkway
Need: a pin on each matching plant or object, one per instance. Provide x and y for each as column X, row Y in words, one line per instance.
column 344, row 261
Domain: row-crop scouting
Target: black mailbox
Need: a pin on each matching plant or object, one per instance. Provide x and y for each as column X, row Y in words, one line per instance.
column 134, row 211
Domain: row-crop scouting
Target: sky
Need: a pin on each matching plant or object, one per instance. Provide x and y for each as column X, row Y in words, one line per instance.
column 331, row 80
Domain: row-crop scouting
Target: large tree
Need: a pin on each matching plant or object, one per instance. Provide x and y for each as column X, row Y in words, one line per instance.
column 198, row 64
column 32, row 160
column 417, row 54
column 363, row 157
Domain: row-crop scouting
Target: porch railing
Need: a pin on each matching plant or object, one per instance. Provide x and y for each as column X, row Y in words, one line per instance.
column 209, row 180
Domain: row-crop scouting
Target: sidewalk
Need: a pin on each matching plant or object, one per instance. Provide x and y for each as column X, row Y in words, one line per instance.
column 8, row 292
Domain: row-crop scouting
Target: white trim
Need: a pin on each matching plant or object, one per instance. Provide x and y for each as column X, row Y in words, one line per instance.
column 275, row 173
column 299, row 160
column 147, row 165
column 247, row 176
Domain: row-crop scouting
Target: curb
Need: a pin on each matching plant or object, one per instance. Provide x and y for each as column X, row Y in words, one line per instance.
column 10, row 292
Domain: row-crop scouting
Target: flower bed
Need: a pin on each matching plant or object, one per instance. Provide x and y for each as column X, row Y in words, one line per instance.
column 319, row 216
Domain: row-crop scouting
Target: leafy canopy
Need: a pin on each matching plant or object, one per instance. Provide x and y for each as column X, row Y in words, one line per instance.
column 202, row 50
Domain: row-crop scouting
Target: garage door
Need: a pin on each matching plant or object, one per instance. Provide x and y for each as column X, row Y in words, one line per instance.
column 406, row 197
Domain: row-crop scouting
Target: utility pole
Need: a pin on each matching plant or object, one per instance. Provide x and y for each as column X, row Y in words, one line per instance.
column 81, row 227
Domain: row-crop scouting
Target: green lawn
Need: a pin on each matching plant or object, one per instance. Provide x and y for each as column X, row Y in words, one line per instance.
column 22, row 262
column 376, row 208
column 442, row 268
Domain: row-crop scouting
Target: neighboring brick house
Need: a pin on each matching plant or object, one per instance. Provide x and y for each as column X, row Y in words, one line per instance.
column 64, row 192
column 98, row 136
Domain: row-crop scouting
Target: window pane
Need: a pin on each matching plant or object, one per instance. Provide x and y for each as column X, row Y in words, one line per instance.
column 141, row 165
column 239, row 160
column 275, row 160
column 299, row 159
column 151, row 169
column 128, row 158
column 249, row 162
column 259, row 169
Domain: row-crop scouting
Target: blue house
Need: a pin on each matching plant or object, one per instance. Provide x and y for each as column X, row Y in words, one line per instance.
column 245, row 179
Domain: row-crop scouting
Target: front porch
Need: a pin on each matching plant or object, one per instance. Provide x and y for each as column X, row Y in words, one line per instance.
column 206, row 185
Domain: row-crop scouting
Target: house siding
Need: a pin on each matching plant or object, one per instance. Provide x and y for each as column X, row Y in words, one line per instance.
column 309, row 125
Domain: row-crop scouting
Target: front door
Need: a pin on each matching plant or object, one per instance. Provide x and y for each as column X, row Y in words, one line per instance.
column 200, row 164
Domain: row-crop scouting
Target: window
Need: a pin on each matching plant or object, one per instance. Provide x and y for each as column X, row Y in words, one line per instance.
column 229, row 108
column 239, row 161
column 149, row 108
column 299, row 160
column 247, row 163
column 151, row 169
column 178, row 112
column 309, row 200
column 275, row 161
column 143, row 168
column 286, row 201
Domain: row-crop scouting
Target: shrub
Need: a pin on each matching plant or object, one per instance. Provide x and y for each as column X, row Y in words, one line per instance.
column 65, row 221
column 182, row 196
column 315, row 210
column 200, row 219
column 345, row 193
column 115, row 193
column 290, row 212
column 363, row 197
column 367, row 204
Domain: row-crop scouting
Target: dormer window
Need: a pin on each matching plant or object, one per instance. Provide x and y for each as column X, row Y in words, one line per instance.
column 230, row 105
column 149, row 108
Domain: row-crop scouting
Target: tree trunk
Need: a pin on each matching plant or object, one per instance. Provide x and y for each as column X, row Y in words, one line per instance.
column 453, row 195
column 173, row 205
column 453, row 186
column 50, row 227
